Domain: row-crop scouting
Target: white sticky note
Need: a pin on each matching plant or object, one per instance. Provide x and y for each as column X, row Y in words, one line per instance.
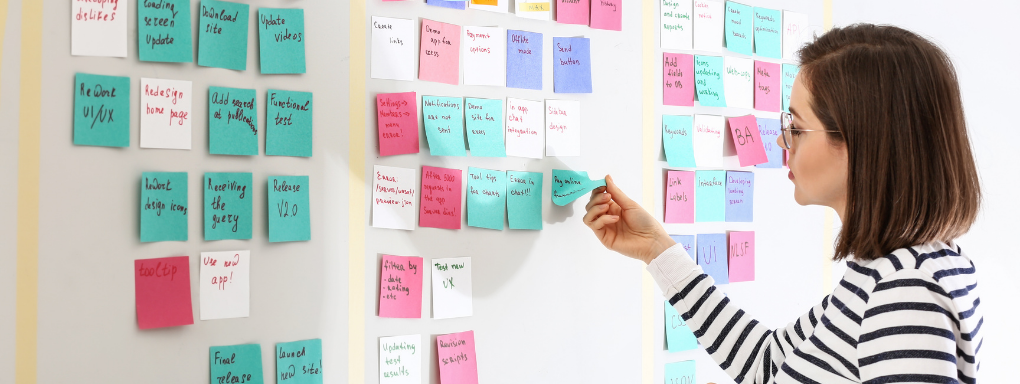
column 708, row 25
column 451, row 288
column 677, row 23
column 795, row 33
column 484, row 56
column 525, row 133
column 534, row 9
column 562, row 128
column 394, row 197
column 708, row 140
column 165, row 113
column 500, row 7
column 738, row 82
column 224, row 284
column 393, row 48
column 400, row 359
column 99, row 28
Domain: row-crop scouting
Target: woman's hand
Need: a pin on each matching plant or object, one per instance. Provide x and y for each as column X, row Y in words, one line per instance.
column 623, row 226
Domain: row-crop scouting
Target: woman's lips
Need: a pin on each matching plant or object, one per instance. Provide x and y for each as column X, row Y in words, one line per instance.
column 791, row 175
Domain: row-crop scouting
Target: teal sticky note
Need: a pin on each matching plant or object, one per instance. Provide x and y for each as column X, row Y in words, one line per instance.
column 567, row 185
column 484, row 120
column 710, row 196
column 678, row 336
column 164, row 31
column 235, row 364
column 681, row 372
column 790, row 72
column 164, row 206
column 227, row 206
column 223, row 35
column 738, row 29
column 101, row 115
column 677, row 142
column 708, row 81
column 768, row 28
column 444, row 125
column 289, row 123
column 281, row 40
column 233, row 122
column 524, row 199
column 299, row 362
column 288, row 209
column 486, row 198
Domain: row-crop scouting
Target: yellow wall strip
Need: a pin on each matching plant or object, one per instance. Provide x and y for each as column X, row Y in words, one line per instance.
column 648, row 174
column 356, row 203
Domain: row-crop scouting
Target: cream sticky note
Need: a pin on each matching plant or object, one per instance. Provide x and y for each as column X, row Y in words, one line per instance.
column 562, row 128
column 400, row 359
column 708, row 140
column 738, row 79
column 165, row 114
column 534, row 9
column 708, row 25
column 451, row 288
column 677, row 23
column 525, row 136
column 392, row 48
column 393, row 197
column 224, row 284
column 484, row 56
column 99, row 28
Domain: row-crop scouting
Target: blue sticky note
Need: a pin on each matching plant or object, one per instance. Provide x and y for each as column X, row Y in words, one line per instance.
column 523, row 59
column 739, row 196
column 484, row 119
column 281, row 40
column 708, row 81
column 101, row 110
column 768, row 28
column 223, row 35
column 571, row 65
column 444, row 125
column 769, row 129
column 681, row 372
column 712, row 256
column 164, row 206
column 710, row 196
column 288, row 209
column 233, row 122
column 235, row 364
column 289, row 123
column 678, row 336
column 676, row 140
column 687, row 241
column 164, row 31
column 453, row 4
column 524, row 199
column 486, row 198
column 790, row 72
column 299, row 362
column 227, row 206
column 739, row 22
column 568, row 185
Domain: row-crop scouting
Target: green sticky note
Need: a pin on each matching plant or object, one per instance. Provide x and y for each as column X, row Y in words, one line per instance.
column 299, row 362
column 101, row 115
column 227, row 206
column 680, row 372
column 486, row 201
column 289, row 123
column 567, row 185
column 235, row 364
column 281, row 40
column 288, row 209
column 790, row 72
column 677, row 134
column 524, row 199
column 768, row 28
column 708, row 81
column 678, row 336
column 223, row 35
column 164, row 206
column 164, row 31
column 444, row 125
column 710, row 196
column 484, row 119
column 233, row 122
column 738, row 28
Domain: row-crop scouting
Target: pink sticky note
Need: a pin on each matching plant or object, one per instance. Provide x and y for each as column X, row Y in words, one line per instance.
column 747, row 139
column 679, row 197
column 440, row 52
column 440, row 198
column 678, row 79
column 741, row 256
column 572, row 11
column 607, row 14
column 457, row 363
column 400, row 287
column 767, row 92
column 163, row 292
column 398, row 123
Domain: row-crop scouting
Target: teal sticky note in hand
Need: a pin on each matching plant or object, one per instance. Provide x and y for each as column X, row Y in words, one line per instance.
column 681, row 372
column 677, row 140
column 710, row 196
column 768, row 36
column 444, row 125
column 235, row 364
column 790, row 72
column 233, row 122
column 288, row 209
column 281, row 40
column 164, row 206
column 486, row 198
column 678, row 336
column 708, row 81
column 164, row 31
column 524, row 199
column 567, row 185
column 484, row 120
column 289, row 123
column 101, row 115
column 738, row 28
column 223, row 35
column 299, row 362
column 227, row 206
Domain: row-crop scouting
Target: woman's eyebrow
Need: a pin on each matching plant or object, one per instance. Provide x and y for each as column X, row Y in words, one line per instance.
column 793, row 112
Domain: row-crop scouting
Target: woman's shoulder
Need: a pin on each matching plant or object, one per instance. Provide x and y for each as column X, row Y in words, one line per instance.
column 944, row 264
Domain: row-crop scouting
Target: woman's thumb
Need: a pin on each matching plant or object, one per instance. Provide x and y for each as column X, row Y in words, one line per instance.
column 618, row 196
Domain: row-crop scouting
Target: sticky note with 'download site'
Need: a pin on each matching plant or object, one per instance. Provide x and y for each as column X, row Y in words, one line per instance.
column 571, row 65
column 227, row 207
column 748, row 141
column 164, row 206
column 165, row 114
column 679, row 197
column 392, row 48
column 767, row 92
column 398, row 123
column 769, row 129
column 400, row 359
column 677, row 140
column 708, row 79
column 710, row 196
column 739, row 196
column 164, row 31
column 678, row 336
column 741, row 256
column 739, row 24
column 299, row 362
column 523, row 59
column 607, row 14
column 712, row 256
column 289, row 123
column 223, row 35
column 288, row 209
column 101, row 115
column 524, row 200
column 394, row 197
column 486, row 198
column 457, row 362
column 440, row 198
column 163, row 292
column 223, row 287
column 281, row 40
column 233, row 122
column 484, row 126
column 677, row 79
column 400, row 287
column 568, row 185
column 444, row 125
column 440, row 52
column 451, row 288
column 235, row 363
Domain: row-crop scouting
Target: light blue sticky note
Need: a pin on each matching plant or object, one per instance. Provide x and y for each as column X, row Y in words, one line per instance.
column 453, row 4
column 769, row 129
column 681, row 372
column 164, row 206
column 164, row 31
column 523, row 59
column 486, row 198
column 790, row 72
column 708, row 81
column 288, row 209
column 571, row 65
column 710, row 196
column 739, row 196
column 299, row 362
column 289, row 123
column 235, row 364
column 739, row 22
column 687, row 241
column 568, row 185
column 227, row 206
column 101, row 110
column 223, row 35
column 712, row 256
column 768, row 36
column 524, row 199
column 281, row 40
column 678, row 336
column 444, row 125
column 676, row 140
column 233, row 122
column 484, row 119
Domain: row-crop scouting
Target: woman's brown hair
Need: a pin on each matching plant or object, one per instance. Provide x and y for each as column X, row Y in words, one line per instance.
column 894, row 98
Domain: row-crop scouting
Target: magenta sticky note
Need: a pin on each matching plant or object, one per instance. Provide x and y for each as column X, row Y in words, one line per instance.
column 440, row 198
column 457, row 363
column 398, row 123
column 747, row 139
column 400, row 287
column 163, row 292
column 767, row 89
column 607, row 14
column 741, row 256
column 677, row 79
column 572, row 11
column 439, row 58
column 679, row 197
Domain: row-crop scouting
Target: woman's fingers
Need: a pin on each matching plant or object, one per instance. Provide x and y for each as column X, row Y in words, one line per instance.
column 603, row 221
column 594, row 213
column 618, row 195
column 601, row 198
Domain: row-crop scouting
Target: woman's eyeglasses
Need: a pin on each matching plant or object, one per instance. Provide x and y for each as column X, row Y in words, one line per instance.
column 788, row 129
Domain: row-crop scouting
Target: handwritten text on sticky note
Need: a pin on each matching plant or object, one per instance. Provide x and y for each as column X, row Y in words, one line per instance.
column 679, row 197
column 224, row 287
column 440, row 198
column 400, row 287
column 101, row 115
column 457, row 362
column 163, row 292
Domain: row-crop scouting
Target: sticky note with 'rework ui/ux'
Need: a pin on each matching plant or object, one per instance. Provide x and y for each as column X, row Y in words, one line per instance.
column 164, row 31
column 571, row 65
column 484, row 125
column 440, row 198
column 739, row 196
column 299, row 362
column 227, row 206
column 568, row 185
column 712, row 256
column 710, row 196
column 769, row 129
column 768, row 29
column 524, row 199
column 288, row 209
column 289, row 124
column 233, row 122
column 677, row 79
column 457, row 362
column 235, row 364
column 400, row 287
column 444, row 125
column 523, row 59
column 164, row 206
column 677, row 140
column 439, row 59
column 101, row 115
column 223, row 35
column 398, row 123
column 281, row 40
column 678, row 336
column 739, row 24
column 767, row 92
column 747, row 139
column 741, row 256
column 708, row 78
column 679, row 197
column 163, row 292
column 486, row 198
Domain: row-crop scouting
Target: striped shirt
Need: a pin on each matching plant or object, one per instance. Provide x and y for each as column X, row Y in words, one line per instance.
column 911, row 316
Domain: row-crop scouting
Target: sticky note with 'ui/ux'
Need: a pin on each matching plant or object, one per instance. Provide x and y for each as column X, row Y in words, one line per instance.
column 223, row 35
column 708, row 140
column 571, row 65
column 677, row 79
column 281, row 40
column 607, row 14
column 687, row 242
column 486, row 198
column 164, row 207
column 568, row 185
column 679, row 197
column 678, row 336
column 739, row 24
column 708, row 79
column 710, row 196
column 741, row 256
column 739, row 196
column 484, row 56
column 400, row 359
column 680, row 372
column 289, row 211
column 712, row 256
column 233, row 122
column 768, row 33
column 235, row 363
column 524, row 199
column 163, row 292
column 164, row 31
column 452, row 4
column 676, row 24
column 523, row 59
column 394, row 197
column 451, row 288
column 738, row 79
column 289, row 123
column 747, row 139
column 677, row 140
column 708, row 25
column 457, row 362
column 789, row 75
column 484, row 126
column 525, row 133
column 299, row 362
column 99, row 28
column 392, row 48
column 444, row 125
column 101, row 115
column 440, row 198
column 439, row 59
column 227, row 207
column 769, row 129
column 398, row 123
column 767, row 84
column 573, row 11
column 165, row 109
column 224, row 284
column 562, row 128
column 400, row 287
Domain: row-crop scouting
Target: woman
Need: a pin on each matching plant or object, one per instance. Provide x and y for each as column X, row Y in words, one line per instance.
column 877, row 133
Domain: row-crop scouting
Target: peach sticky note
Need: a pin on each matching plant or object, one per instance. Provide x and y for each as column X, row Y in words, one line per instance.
column 607, row 14
column 767, row 88
column 741, row 256
column 747, row 139
column 163, row 292
column 440, row 52
column 440, row 198
column 398, row 123
column 677, row 79
column 457, row 358
column 400, row 287
column 679, row 197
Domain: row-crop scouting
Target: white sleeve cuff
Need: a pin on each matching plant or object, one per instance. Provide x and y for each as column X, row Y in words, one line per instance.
column 672, row 268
